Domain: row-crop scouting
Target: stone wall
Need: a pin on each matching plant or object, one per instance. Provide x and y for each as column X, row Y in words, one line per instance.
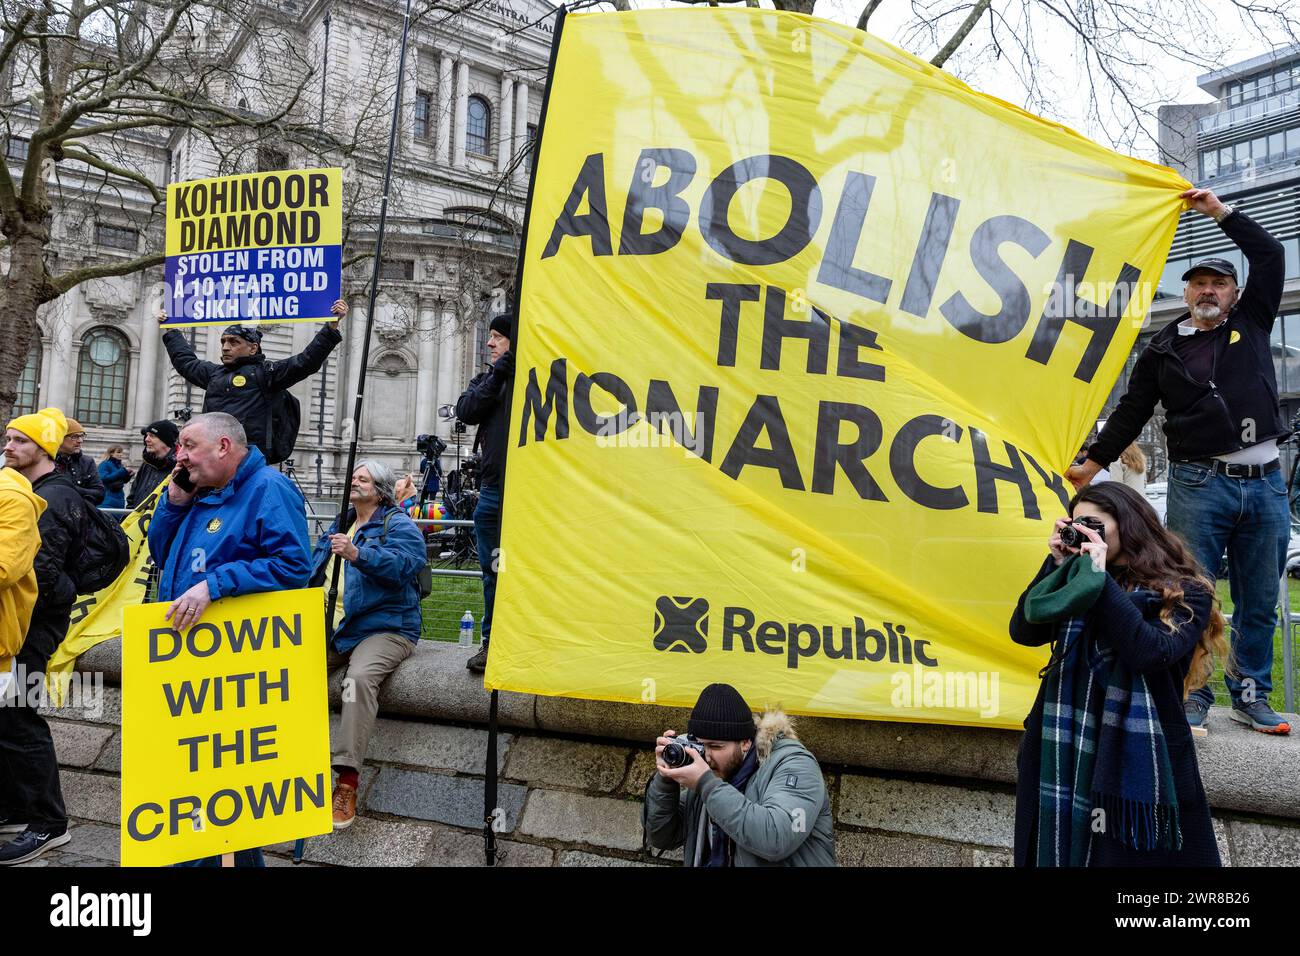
column 572, row 774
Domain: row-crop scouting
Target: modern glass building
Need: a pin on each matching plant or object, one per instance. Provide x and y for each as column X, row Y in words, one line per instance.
column 1246, row 147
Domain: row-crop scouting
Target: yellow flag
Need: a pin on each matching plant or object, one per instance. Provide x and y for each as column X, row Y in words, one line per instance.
column 98, row 617
column 809, row 330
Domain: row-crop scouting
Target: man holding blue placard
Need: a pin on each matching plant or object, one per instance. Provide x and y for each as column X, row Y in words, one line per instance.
column 249, row 387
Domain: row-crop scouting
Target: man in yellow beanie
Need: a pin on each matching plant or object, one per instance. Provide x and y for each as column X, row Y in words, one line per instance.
column 31, row 801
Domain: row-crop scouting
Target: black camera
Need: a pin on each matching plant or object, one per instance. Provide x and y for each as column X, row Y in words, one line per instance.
column 674, row 754
column 430, row 446
column 1072, row 537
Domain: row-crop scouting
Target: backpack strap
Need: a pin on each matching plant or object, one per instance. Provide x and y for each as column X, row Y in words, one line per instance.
column 270, row 409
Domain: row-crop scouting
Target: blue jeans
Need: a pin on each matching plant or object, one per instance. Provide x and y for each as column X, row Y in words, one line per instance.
column 487, row 537
column 1248, row 517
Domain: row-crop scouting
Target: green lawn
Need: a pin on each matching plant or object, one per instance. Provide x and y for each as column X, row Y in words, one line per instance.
column 1276, row 699
column 443, row 609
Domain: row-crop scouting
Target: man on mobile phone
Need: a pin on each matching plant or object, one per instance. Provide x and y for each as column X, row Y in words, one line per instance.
column 245, row 520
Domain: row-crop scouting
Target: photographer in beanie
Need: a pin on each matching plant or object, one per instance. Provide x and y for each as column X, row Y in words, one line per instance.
column 753, row 794
column 486, row 403
column 246, row 385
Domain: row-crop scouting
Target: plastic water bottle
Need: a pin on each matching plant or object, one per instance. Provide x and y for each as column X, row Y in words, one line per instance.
column 467, row 630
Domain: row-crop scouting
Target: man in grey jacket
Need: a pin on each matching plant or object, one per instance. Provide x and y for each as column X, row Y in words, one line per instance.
column 755, row 798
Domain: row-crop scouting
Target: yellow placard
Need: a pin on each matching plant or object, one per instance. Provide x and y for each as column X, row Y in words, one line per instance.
column 225, row 728
column 259, row 247
column 809, row 330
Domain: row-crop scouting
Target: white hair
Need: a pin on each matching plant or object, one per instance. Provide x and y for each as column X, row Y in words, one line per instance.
column 218, row 425
column 383, row 477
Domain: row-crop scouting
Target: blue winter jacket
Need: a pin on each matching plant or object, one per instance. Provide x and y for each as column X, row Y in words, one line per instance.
column 247, row 537
column 381, row 592
column 114, row 476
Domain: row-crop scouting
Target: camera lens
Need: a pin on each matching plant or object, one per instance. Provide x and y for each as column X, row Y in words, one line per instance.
column 674, row 755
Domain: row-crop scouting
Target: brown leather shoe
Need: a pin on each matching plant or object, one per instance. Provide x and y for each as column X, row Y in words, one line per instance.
column 345, row 806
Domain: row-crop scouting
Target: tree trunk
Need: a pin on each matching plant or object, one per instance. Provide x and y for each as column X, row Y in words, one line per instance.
column 794, row 6
column 23, row 291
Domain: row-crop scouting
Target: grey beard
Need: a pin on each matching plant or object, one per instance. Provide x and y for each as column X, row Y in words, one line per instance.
column 1206, row 313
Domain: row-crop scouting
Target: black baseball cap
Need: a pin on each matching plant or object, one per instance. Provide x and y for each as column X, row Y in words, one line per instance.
column 165, row 431
column 1218, row 266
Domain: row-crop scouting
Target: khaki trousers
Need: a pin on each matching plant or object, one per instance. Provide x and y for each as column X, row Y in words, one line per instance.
column 368, row 666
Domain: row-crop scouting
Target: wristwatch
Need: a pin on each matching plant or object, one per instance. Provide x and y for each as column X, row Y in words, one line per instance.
column 1224, row 213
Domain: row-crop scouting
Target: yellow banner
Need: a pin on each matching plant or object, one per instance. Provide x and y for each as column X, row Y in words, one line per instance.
column 98, row 617
column 809, row 330
column 261, row 247
column 225, row 728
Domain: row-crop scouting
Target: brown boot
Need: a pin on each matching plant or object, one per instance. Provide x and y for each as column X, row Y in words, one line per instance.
column 345, row 806
column 478, row 663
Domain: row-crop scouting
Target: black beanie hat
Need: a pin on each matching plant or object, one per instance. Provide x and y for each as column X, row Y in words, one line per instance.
column 165, row 431
column 721, row 714
column 504, row 324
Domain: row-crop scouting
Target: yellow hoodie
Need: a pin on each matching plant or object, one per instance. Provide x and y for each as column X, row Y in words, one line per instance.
column 20, row 509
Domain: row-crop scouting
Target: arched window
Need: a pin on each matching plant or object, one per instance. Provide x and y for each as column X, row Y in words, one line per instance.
column 101, row 378
column 28, row 381
column 478, row 126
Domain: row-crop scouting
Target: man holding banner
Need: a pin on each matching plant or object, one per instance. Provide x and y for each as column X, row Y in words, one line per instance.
column 486, row 403
column 249, row 387
column 1213, row 371
column 241, row 530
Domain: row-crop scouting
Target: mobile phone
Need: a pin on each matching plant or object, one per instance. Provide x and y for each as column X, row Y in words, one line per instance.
column 182, row 479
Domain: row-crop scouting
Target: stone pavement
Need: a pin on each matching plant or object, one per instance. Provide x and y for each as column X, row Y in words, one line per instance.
column 570, row 788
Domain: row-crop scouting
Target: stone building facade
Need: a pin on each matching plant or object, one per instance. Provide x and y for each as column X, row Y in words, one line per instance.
column 471, row 101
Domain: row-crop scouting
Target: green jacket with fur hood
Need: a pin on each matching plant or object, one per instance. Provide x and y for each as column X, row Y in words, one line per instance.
column 783, row 818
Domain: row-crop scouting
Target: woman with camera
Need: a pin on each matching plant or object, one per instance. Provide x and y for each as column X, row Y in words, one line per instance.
column 1108, row 773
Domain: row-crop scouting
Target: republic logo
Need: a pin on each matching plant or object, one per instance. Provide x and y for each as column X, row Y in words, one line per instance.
column 681, row 624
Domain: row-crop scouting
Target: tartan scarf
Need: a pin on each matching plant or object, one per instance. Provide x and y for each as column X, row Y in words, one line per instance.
column 1104, row 765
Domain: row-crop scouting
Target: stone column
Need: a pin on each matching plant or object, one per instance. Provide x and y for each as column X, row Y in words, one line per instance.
column 408, row 97
column 462, row 108
column 443, row 118
column 446, row 383
column 426, row 412
column 146, row 380
column 505, row 146
column 521, row 130
column 62, row 386
column 356, row 336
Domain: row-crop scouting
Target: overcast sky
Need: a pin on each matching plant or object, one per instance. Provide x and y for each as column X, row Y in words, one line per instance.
column 1211, row 34
column 1166, row 79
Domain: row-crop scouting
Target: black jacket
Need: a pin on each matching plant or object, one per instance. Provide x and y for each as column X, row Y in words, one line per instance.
column 147, row 478
column 486, row 403
column 243, row 388
column 84, row 474
column 1163, row 657
column 1214, row 418
column 62, row 527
